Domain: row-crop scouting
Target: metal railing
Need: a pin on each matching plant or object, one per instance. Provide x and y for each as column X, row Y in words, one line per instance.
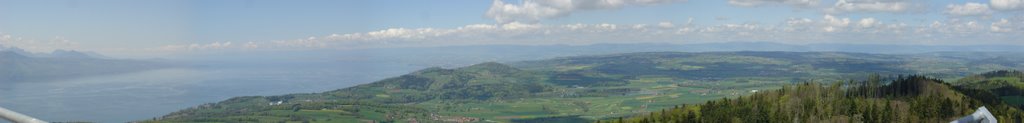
column 979, row 116
column 17, row 117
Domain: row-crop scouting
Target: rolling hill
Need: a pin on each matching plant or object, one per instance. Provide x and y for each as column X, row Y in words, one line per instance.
column 584, row 88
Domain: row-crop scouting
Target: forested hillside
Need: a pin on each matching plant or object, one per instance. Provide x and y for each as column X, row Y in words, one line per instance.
column 1007, row 85
column 911, row 99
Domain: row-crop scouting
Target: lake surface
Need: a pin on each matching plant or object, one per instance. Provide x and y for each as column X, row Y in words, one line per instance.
column 208, row 79
column 153, row 93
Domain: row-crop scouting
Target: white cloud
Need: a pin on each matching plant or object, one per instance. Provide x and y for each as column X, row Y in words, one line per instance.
column 798, row 21
column 312, row 42
column 894, row 6
column 641, row 27
column 193, row 47
column 530, row 11
column 750, row 3
column 519, row 26
column 968, row 9
column 666, row 25
column 867, row 22
column 833, row 23
column 33, row 45
column 958, row 27
column 797, row 24
column 1002, row 25
column 1007, row 4
column 251, row 45
column 836, row 21
column 826, row 29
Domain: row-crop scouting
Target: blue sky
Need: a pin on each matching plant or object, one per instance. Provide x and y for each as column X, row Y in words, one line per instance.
column 138, row 23
column 174, row 26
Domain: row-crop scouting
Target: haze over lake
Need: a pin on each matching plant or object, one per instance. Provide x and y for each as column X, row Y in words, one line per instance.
column 147, row 94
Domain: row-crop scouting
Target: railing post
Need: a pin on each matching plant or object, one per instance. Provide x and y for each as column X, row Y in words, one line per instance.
column 17, row 117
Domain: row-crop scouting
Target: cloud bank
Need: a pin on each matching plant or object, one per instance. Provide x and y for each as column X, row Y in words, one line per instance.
column 825, row 29
column 520, row 23
column 752, row 3
column 531, row 11
column 1007, row 4
column 892, row 6
column 969, row 9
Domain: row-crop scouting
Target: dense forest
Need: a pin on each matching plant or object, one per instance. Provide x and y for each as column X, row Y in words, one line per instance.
column 1006, row 85
column 902, row 99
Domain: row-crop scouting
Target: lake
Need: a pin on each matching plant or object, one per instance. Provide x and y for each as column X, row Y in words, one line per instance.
column 153, row 93
column 208, row 79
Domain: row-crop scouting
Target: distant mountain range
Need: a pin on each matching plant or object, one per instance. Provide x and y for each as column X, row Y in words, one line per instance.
column 18, row 65
column 458, row 56
column 59, row 53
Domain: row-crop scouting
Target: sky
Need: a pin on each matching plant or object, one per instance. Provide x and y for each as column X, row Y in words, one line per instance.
column 130, row 27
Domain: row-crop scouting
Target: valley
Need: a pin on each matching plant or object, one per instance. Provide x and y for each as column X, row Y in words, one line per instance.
column 583, row 88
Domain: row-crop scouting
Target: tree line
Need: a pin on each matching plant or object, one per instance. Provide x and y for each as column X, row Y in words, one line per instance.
column 902, row 99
